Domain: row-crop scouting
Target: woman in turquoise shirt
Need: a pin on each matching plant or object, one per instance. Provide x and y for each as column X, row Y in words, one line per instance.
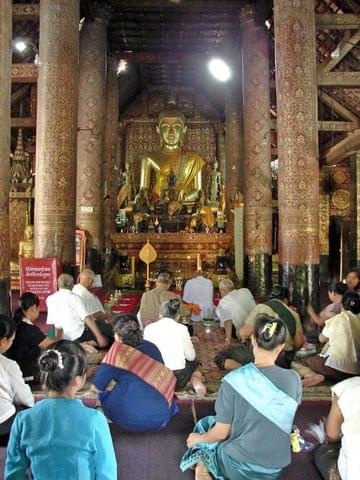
column 59, row 437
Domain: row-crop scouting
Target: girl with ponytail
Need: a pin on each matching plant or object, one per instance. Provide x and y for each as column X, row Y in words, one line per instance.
column 29, row 340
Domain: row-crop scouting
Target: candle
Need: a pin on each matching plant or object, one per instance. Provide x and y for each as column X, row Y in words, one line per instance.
column 198, row 262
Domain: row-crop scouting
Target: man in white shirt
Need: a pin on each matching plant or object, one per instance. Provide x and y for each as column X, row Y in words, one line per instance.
column 200, row 291
column 92, row 302
column 175, row 345
column 234, row 307
column 342, row 423
column 68, row 313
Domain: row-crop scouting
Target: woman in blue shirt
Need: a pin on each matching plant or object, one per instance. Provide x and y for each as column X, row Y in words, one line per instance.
column 143, row 396
column 59, row 437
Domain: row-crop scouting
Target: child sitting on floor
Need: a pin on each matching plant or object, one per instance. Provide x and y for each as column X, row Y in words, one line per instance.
column 59, row 437
column 15, row 395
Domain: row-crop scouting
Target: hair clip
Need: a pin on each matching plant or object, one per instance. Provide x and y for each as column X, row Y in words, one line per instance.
column 272, row 328
column 59, row 356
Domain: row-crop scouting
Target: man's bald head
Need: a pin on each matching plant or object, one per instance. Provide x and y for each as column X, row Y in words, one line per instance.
column 86, row 278
column 65, row 281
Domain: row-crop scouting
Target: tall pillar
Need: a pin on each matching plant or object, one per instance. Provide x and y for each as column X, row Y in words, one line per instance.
column 220, row 149
column 91, row 125
column 295, row 50
column 324, row 224
column 355, row 211
column 233, row 143
column 257, row 157
column 56, row 130
column 111, row 150
column 5, row 95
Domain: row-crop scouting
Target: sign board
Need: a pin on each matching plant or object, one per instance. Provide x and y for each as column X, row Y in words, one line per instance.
column 80, row 248
column 39, row 276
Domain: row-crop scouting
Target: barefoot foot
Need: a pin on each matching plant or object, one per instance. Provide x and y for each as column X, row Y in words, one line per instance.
column 201, row 472
column 198, row 386
column 312, row 380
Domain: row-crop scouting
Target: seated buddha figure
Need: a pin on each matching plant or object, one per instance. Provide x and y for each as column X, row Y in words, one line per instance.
column 26, row 245
column 185, row 165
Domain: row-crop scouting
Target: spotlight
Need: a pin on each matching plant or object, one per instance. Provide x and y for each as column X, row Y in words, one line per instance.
column 122, row 66
column 20, row 46
column 219, row 69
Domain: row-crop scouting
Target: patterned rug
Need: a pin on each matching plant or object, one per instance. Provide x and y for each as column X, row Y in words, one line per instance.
column 206, row 348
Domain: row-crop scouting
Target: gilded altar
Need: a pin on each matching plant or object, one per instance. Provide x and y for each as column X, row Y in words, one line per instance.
column 176, row 251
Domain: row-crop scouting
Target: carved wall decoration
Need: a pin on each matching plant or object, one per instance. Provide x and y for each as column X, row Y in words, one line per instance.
column 339, row 179
column 18, row 216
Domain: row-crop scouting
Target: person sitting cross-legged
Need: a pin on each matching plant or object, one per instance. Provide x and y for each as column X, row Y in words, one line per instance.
column 143, row 396
column 340, row 358
column 241, row 353
column 174, row 342
column 249, row 438
column 68, row 313
column 337, row 460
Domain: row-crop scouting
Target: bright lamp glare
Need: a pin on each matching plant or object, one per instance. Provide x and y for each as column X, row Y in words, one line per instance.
column 20, row 46
column 219, row 69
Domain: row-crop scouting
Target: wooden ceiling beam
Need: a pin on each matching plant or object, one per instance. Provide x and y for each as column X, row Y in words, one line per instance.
column 338, row 79
column 336, row 21
column 337, row 107
column 327, row 126
column 167, row 57
column 26, row 11
column 342, row 149
column 23, row 122
column 19, row 94
column 205, row 6
column 345, row 46
column 23, row 73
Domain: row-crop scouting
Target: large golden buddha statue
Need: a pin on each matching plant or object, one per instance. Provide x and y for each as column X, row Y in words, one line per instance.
column 185, row 166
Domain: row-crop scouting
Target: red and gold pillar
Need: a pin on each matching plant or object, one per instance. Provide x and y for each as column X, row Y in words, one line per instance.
column 111, row 151
column 257, row 157
column 233, row 143
column 5, row 96
column 91, row 125
column 298, row 194
column 56, row 130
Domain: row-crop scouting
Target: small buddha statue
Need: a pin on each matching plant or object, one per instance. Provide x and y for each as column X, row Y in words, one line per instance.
column 186, row 165
column 26, row 245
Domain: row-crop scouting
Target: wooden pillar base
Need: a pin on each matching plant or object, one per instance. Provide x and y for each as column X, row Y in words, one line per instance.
column 303, row 281
column 258, row 268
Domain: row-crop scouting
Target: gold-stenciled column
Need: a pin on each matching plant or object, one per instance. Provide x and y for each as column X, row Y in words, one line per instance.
column 5, row 102
column 324, row 221
column 91, row 124
column 355, row 210
column 233, row 142
column 56, row 130
column 298, row 181
column 257, row 156
column 111, row 150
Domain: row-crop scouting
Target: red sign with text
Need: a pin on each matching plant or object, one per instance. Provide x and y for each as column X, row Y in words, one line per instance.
column 39, row 276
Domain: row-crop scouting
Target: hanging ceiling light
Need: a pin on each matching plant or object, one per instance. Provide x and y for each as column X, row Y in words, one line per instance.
column 20, row 46
column 219, row 69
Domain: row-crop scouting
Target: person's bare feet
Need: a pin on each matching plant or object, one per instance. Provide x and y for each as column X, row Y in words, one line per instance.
column 201, row 472
column 312, row 379
column 198, row 385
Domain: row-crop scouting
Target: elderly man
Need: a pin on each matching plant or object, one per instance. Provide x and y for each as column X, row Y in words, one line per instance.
column 92, row 302
column 200, row 291
column 153, row 299
column 234, row 307
column 68, row 313
column 277, row 307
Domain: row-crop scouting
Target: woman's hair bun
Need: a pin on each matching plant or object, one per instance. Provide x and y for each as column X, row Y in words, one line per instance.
column 174, row 304
column 49, row 361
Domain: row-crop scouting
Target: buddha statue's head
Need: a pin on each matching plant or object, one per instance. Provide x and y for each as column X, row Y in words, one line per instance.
column 29, row 232
column 171, row 126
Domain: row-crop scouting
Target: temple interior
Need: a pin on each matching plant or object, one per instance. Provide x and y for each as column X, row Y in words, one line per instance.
column 148, row 143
